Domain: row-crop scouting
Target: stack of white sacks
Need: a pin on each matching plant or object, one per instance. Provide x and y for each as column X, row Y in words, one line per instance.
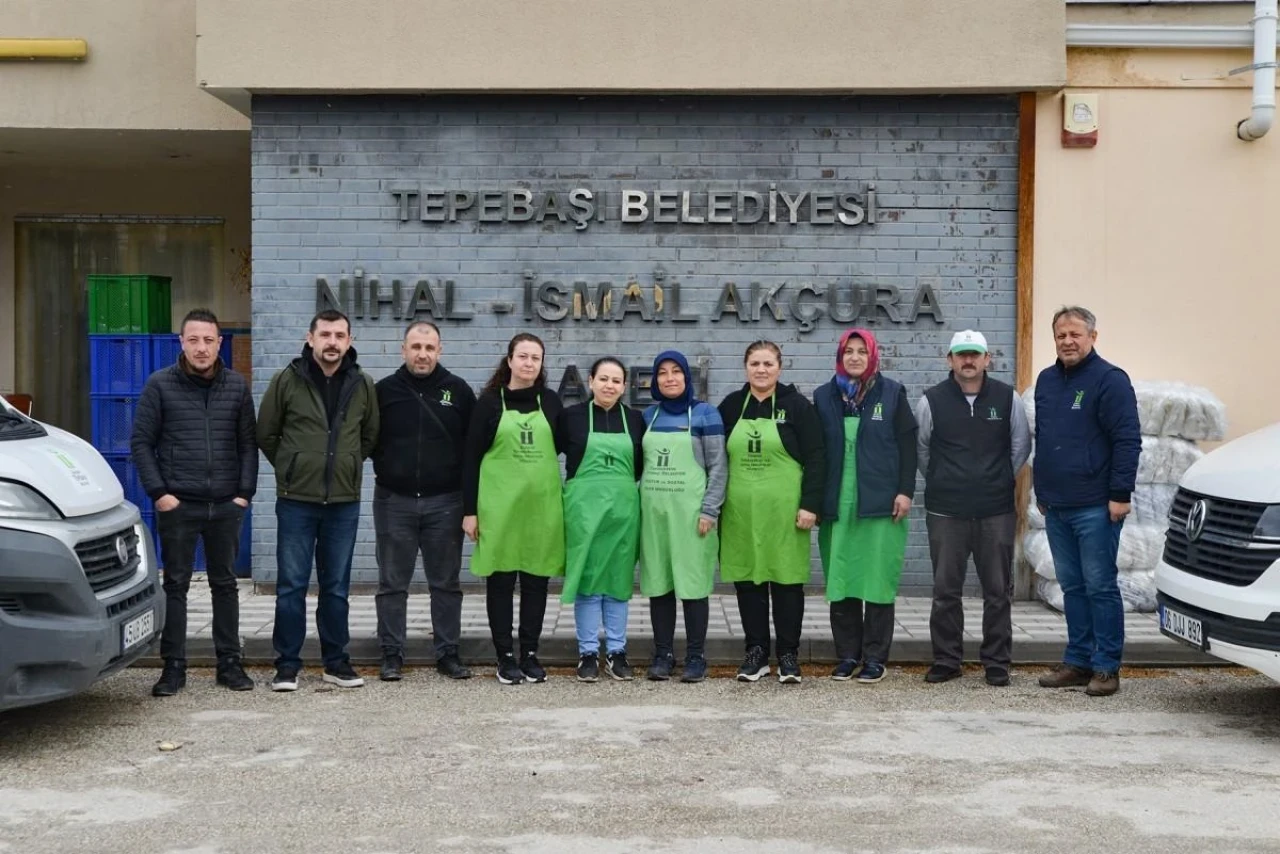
column 1174, row 416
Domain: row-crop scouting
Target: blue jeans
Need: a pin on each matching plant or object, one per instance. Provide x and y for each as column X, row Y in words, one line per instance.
column 587, row 613
column 1084, row 542
column 325, row 533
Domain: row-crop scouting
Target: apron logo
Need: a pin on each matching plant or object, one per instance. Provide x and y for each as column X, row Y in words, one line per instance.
column 877, row 414
column 526, row 433
column 608, row 459
column 664, row 458
column 754, row 443
column 1079, row 399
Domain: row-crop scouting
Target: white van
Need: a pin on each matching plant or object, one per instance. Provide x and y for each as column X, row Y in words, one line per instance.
column 80, row 594
column 1218, row 582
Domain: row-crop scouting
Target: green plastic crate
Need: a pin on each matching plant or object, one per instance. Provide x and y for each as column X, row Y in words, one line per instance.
column 129, row 304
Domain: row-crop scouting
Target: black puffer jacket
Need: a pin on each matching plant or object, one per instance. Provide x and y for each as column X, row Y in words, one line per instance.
column 194, row 443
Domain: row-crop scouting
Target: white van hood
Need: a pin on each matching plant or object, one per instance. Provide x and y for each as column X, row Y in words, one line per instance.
column 64, row 469
column 1246, row 469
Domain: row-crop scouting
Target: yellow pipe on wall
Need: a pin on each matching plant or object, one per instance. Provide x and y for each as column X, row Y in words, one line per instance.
column 66, row 50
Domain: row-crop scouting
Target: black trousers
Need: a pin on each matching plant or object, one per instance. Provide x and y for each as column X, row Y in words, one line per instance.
column 788, row 614
column 697, row 616
column 498, row 589
column 990, row 541
column 218, row 525
column 863, row 631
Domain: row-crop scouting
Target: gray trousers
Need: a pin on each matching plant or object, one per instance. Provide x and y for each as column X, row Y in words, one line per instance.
column 990, row 541
column 405, row 527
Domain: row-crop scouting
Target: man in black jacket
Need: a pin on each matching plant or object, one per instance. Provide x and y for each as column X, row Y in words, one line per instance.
column 194, row 448
column 417, row 502
column 974, row 437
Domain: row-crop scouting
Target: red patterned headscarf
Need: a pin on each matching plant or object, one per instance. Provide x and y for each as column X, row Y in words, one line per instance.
column 856, row 390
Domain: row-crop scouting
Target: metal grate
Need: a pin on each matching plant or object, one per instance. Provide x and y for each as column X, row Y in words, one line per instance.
column 101, row 559
column 10, row 604
column 1226, row 550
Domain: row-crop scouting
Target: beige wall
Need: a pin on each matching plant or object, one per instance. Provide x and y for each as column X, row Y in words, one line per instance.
column 219, row 190
column 140, row 73
column 661, row 45
column 1167, row 229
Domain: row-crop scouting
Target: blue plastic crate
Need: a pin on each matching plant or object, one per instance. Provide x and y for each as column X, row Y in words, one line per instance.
column 165, row 350
column 119, row 364
column 127, row 474
column 112, row 422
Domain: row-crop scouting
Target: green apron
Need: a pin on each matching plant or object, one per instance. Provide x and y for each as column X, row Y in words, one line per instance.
column 519, row 509
column 672, row 555
column 861, row 558
column 602, row 517
column 760, row 541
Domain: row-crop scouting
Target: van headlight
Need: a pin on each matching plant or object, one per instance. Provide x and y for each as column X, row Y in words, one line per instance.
column 1269, row 525
column 23, row 502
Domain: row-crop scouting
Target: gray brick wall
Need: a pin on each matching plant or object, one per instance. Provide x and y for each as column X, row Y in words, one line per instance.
column 945, row 171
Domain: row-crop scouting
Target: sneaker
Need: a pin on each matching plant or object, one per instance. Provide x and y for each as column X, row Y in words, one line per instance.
column 343, row 676
column 755, row 665
column 788, row 669
column 617, row 667
column 532, row 670
column 509, row 672
column 695, row 669
column 1103, row 684
column 589, row 667
column 451, row 666
column 661, row 666
column 286, row 679
column 172, row 680
column 392, row 669
column 997, row 676
column 232, row 675
column 846, row 669
column 1066, row 676
column 872, row 671
column 940, row 673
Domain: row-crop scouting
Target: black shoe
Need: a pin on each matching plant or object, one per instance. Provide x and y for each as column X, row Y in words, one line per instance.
column 392, row 668
column 509, row 672
column 942, row 673
column 997, row 676
column 589, row 667
column 343, row 675
column 846, row 669
column 616, row 665
column 286, row 679
column 172, row 680
column 788, row 669
column 661, row 666
column 695, row 669
column 232, row 675
column 755, row 665
column 871, row 673
column 450, row 665
column 532, row 670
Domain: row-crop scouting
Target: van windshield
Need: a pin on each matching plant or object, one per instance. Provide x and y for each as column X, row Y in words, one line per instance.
column 15, row 425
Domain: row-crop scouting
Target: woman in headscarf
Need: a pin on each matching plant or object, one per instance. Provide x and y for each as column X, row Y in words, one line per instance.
column 681, row 490
column 870, row 435
column 777, row 475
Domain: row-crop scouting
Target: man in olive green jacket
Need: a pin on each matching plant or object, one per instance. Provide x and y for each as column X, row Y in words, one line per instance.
column 317, row 424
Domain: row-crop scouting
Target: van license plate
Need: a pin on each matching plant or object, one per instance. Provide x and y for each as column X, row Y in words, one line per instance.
column 1182, row 627
column 138, row 630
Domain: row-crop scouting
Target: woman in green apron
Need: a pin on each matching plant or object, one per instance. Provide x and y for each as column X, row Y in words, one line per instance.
column 776, row 477
column 511, row 501
column 871, row 476
column 681, row 491
column 600, row 440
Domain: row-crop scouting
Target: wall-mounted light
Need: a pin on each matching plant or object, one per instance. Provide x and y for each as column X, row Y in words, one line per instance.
column 47, row 50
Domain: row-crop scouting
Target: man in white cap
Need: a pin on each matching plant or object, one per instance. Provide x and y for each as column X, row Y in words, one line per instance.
column 974, row 437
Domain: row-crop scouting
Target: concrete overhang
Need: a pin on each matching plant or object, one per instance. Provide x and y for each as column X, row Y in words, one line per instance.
column 248, row 47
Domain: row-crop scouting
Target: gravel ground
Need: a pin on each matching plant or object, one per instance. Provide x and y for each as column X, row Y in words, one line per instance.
column 1179, row 761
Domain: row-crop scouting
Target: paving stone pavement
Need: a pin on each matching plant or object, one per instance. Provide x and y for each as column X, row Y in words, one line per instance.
column 1040, row 633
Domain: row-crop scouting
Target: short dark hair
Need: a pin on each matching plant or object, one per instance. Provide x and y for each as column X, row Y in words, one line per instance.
column 329, row 315
column 762, row 344
column 418, row 324
column 607, row 360
column 198, row 315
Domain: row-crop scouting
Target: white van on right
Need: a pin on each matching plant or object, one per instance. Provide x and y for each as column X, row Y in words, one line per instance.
column 1218, row 581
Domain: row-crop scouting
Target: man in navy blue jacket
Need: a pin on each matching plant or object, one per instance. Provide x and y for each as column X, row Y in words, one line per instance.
column 1086, row 465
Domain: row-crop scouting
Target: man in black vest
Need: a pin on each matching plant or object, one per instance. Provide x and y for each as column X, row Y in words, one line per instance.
column 974, row 437
column 417, row 503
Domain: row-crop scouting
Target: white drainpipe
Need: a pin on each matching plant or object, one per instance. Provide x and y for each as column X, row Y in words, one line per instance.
column 1264, row 73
